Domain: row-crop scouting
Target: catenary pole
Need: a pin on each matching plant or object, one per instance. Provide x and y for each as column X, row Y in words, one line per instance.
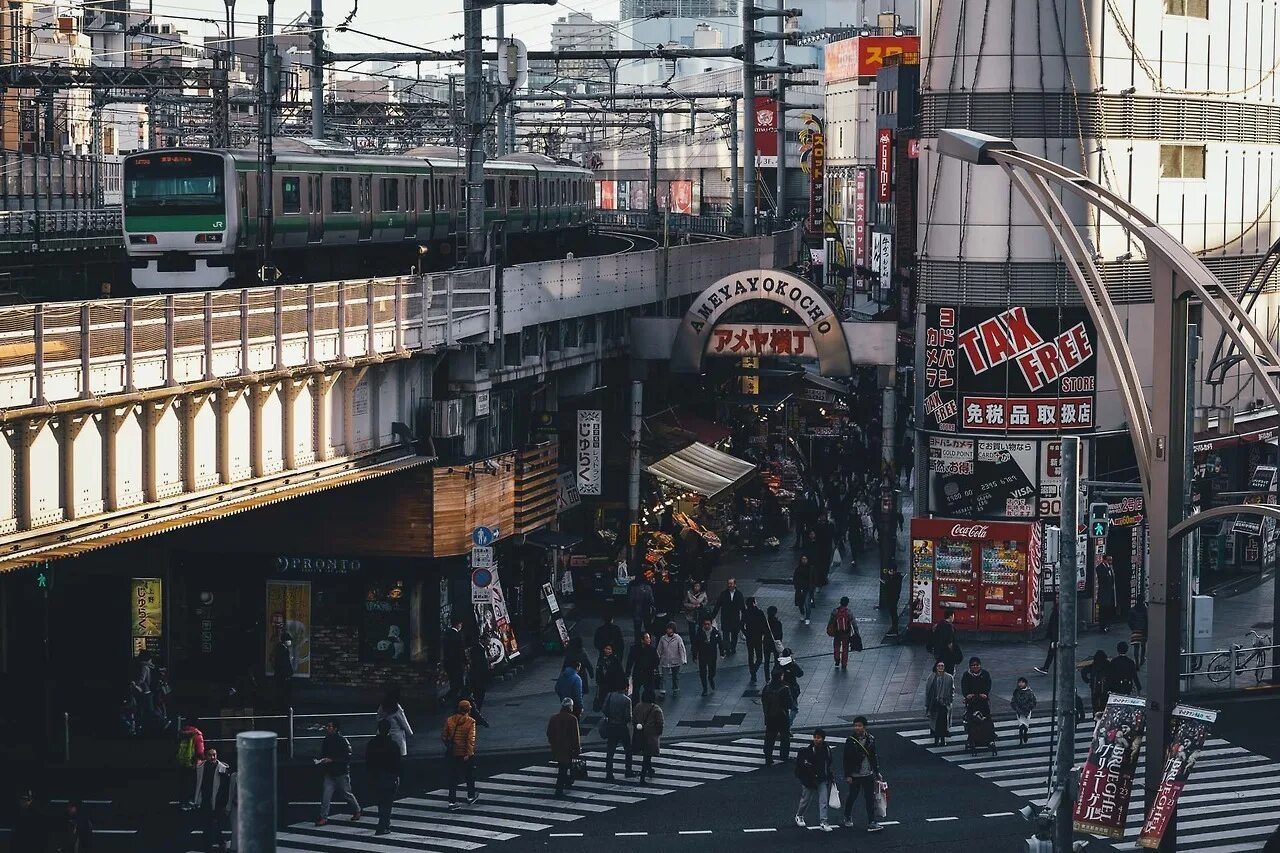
column 502, row 109
column 317, row 69
column 1065, row 667
column 780, row 59
column 734, row 173
column 748, row 126
column 473, row 85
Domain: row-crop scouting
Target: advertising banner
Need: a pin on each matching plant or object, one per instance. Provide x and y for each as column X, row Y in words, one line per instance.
column 995, row 478
column 884, row 164
column 921, row 582
column 766, row 131
column 949, row 455
column 850, row 59
column 590, row 451
column 147, row 605
column 681, row 197
column 860, row 218
column 1106, row 778
column 1263, row 482
column 608, row 195
column 1191, row 727
column 1012, row 370
column 384, row 624
column 817, row 178
column 289, row 611
column 886, row 259
column 494, row 622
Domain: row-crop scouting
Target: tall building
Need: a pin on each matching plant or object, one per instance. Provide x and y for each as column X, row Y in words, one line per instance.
column 678, row 8
column 576, row 31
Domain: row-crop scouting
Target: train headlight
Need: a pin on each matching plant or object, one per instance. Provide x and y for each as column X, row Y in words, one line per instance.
column 142, row 239
column 208, row 238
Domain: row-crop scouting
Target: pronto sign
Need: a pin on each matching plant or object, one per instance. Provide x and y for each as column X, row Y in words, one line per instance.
column 809, row 304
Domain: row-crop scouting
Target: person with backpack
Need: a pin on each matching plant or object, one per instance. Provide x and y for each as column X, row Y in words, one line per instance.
column 842, row 629
column 569, row 687
column 190, row 753
column 616, row 728
column 777, row 703
column 1122, row 672
column 335, row 760
column 861, row 772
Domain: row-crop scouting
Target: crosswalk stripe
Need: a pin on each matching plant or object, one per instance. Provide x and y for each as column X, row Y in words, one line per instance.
column 665, row 781
column 344, row 839
column 528, row 801
column 486, row 810
column 535, row 789
column 589, row 785
column 400, row 813
column 596, row 759
column 1229, row 798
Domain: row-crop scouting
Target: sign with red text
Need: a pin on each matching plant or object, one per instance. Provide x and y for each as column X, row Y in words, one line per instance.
column 993, row 370
column 850, row 59
column 1106, row 778
column 860, row 219
column 741, row 340
column 1191, row 728
column 766, row 131
column 884, row 164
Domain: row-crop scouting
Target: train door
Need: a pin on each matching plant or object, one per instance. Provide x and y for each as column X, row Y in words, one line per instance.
column 315, row 210
column 411, row 207
column 365, row 211
column 526, row 202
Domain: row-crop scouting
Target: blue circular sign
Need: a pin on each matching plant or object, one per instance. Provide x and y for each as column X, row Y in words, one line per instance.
column 483, row 536
column 481, row 578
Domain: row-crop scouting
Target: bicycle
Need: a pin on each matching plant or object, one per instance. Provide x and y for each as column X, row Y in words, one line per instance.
column 1221, row 665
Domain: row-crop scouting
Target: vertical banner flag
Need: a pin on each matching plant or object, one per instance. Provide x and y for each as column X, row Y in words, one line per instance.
column 860, row 219
column 766, row 132
column 1106, row 779
column 148, row 614
column 1190, row 731
column 590, row 451
column 884, row 164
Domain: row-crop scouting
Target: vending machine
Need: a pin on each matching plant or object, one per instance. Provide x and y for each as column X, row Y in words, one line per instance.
column 987, row 572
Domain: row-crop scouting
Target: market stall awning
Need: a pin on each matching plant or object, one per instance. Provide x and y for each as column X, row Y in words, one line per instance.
column 702, row 469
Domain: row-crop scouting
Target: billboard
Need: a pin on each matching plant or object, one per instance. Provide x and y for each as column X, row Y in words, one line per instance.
column 681, row 197
column 765, row 121
column 608, row 195
column 860, row 217
column 864, row 56
column 1106, row 778
column 999, row 478
column 590, row 452
column 884, row 164
column 1011, row 370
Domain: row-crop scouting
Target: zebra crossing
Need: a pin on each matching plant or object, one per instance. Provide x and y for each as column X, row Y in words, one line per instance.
column 1230, row 804
column 521, row 802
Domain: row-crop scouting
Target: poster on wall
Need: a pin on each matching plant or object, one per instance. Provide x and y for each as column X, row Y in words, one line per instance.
column 921, row 582
column 608, row 195
column 147, row 604
column 1262, row 483
column 289, row 611
column 1106, row 778
column 1019, row 369
column 590, row 451
column 681, row 197
column 1191, row 728
column 766, row 132
column 494, row 623
column 384, row 623
column 1001, row 485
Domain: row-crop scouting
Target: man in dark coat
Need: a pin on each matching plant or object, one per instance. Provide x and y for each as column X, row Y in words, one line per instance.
column 453, row 657
column 609, row 634
column 708, row 647
column 730, row 607
column 212, row 794
column 30, row 832
column 1104, row 575
column 1122, row 672
column 942, row 642
column 777, row 703
column 892, row 583
column 640, row 597
column 643, row 667
column 826, row 541
column 1050, row 634
column 383, row 762
column 610, row 675
column 565, row 739
column 755, row 627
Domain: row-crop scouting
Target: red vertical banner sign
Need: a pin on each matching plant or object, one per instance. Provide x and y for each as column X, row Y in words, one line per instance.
column 1106, row 779
column 765, row 121
column 884, row 164
column 817, row 175
column 1191, row 727
column 860, row 219
column 681, row 197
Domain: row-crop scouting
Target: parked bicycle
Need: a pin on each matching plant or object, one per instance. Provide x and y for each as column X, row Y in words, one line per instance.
column 1255, row 660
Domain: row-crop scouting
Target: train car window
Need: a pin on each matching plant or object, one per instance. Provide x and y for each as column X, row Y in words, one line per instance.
column 291, row 195
column 390, row 199
column 524, row 192
column 575, row 192
column 340, row 194
column 453, row 193
column 410, row 195
column 490, row 193
column 426, row 195
column 440, row 194
column 513, row 193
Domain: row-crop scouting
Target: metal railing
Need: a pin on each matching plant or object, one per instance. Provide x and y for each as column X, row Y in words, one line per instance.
column 31, row 229
column 676, row 223
column 59, row 352
column 1230, row 668
column 290, row 724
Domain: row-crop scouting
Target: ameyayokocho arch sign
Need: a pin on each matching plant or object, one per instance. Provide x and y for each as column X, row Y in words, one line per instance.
column 808, row 302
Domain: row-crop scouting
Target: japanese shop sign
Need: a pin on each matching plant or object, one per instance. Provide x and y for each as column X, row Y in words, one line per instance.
column 949, row 455
column 884, row 164
column 147, row 605
column 860, row 218
column 817, row 177
column 766, row 132
column 737, row 340
column 1009, row 370
column 590, row 451
column 850, row 59
column 1191, row 727
column 1106, row 779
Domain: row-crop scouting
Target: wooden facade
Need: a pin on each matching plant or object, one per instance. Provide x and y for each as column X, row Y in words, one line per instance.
column 536, row 470
column 471, row 495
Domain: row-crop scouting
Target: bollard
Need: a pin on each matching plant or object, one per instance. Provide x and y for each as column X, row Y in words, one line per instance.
column 255, row 813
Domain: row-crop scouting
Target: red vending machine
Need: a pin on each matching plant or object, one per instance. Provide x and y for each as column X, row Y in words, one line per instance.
column 986, row 571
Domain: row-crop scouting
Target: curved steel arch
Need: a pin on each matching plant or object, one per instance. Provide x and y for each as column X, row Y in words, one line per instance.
column 1188, row 524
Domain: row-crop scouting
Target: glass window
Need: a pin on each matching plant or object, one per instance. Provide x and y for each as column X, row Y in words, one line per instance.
column 174, row 184
column 575, row 192
column 490, row 193
column 1182, row 161
column 291, row 195
column 340, row 194
column 390, row 194
column 513, row 193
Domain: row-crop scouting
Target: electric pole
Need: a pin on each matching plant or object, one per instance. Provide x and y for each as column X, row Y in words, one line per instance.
column 268, row 78
column 502, row 108
column 473, row 91
column 749, row 125
column 317, row 69
column 780, row 194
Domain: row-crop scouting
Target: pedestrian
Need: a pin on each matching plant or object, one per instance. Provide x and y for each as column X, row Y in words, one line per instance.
column 1094, row 674
column 939, row 696
column 335, row 761
column 574, row 653
column 640, row 597
column 616, row 725
column 459, row 736
column 730, row 607
column 565, row 740
column 608, row 634
column 1023, row 702
column 708, row 648
column 942, row 642
column 142, row 690
column 1273, row 842
column 190, row 751
column 1051, row 634
column 825, row 540
column 772, row 640
column 791, row 675
column 816, row 772
column 892, row 584
column 397, row 721
column 1122, row 672
column 802, row 581
column 671, row 656
column 610, row 676
column 648, row 721
column 1104, row 575
column 384, row 759
column 861, row 773
column 694, row 608
column 569, row 686
column 453, row 657
column 478, row 673
column 73, row 831
column 643, row 666
column 975, row 684
column 1138, row 631
column 213, row 788
column 30, row 832
column 777, row 703
column 842, row 629
column 755, row 628
column 282, row 669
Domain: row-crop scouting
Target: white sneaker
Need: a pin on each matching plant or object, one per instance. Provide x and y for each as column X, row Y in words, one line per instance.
column 800, row 822
column 826, row 827
column 848, row 821
column 874, row 827
column 806, row 621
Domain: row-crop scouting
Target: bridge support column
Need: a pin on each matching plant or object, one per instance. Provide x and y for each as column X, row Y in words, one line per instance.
column 259, row 394
column 152, row 412
column 112, row 420
column 187, row 408
column 350, row 379
column 289, row 391
column 226, row 401
column 323, row 386
column 21, row 438
column 69, row 428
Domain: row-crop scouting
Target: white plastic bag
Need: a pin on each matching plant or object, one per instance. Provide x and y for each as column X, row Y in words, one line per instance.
column 833, row 799
column 882, row 799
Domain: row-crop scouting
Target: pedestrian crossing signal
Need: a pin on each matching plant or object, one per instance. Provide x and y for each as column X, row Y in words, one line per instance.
column 1099, row 521
column 1099, row 529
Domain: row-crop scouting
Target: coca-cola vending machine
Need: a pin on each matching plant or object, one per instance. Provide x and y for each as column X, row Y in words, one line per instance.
column 987, row 572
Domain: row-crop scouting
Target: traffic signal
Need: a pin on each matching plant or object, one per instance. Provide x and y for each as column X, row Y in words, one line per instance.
column 1099, row 521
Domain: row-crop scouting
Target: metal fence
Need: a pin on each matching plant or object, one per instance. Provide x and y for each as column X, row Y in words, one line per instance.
column 1231, row 668
column 677, row 223
column 23, row 230
column 292, row 728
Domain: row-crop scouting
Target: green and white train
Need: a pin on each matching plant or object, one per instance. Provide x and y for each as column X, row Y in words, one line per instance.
column 191, row 215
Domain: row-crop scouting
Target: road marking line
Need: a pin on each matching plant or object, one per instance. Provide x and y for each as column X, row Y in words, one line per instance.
column 939, row 819
column 694, row 832
column 890, row 823
column 565, row 834
column 762, row 829
column 999, row 814
column 627, row 834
